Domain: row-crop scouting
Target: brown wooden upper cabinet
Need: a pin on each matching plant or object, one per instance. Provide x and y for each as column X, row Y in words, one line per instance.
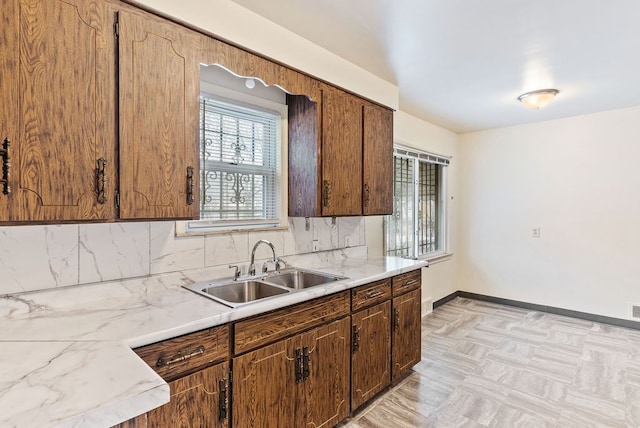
column 377, row 182
column 59, row 143
column 159, row 89
column 340, row 156
column 58, row 85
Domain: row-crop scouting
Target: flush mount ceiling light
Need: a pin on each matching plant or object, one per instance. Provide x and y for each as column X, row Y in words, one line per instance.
column 538, row 99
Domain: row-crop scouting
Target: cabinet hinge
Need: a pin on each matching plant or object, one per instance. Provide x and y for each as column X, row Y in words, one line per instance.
column 117, row 200
column 230, row 377
column 116, row 26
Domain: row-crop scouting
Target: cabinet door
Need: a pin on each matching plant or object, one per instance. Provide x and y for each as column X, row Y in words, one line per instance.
column 196, row 401
column 159, row 89
column 406, row 333
column 58, row 73
column 325, row 350
column 341, row 153
column 264, row 386
column 377, row 184
column 303, row 160
column 371, row 352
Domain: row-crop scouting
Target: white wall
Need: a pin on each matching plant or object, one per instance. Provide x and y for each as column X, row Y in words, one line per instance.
column 440, row 279
column 40, row 257
column 578, row 179
column 233, row 22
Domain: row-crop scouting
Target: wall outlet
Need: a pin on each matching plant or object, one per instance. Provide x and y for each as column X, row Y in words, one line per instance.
column 315, row 246
column 536, row 232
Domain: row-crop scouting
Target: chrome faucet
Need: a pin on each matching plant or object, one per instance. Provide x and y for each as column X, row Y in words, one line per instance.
column 252, row 266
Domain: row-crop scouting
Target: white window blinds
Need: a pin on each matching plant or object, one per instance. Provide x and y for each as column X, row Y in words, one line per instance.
column 239, row 157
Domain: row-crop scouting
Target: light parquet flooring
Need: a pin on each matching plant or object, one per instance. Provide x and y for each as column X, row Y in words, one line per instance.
column 491, row 365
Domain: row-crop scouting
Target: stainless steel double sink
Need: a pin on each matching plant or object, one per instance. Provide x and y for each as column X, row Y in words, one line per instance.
column 241, row 292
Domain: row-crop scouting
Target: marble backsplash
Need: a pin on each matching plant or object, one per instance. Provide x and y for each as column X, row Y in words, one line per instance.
column 43, row 257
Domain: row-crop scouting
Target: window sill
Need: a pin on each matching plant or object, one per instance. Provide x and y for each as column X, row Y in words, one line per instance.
column 437, row 258
column 181, row 230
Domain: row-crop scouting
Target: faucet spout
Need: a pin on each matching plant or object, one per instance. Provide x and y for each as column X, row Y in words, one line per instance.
column 252, row 266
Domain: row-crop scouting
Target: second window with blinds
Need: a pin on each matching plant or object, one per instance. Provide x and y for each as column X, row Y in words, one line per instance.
column 240, row 164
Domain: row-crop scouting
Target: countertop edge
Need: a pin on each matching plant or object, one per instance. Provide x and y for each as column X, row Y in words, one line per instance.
column 134, row 388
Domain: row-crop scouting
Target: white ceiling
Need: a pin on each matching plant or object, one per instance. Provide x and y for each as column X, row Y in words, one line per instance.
column 461, row 64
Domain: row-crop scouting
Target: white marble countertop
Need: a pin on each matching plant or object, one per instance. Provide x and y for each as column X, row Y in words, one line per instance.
column 66, row 358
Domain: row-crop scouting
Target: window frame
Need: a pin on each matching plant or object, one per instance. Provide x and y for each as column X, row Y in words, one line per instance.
column 417, row 156
column 206, row 227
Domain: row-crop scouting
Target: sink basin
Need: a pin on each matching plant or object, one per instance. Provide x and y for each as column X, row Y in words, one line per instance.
column 299, row 279
column 235, row 294
column 238, row 293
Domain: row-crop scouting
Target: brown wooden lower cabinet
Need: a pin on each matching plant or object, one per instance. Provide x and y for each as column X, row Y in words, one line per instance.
column 197, row 400
column 264, row 384
column 406, row 345
column 371, row 352
column 325, row 351
column 300, row 381
column 307, row 365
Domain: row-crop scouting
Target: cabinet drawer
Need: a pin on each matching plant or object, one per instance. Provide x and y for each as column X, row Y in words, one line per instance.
column 407, row 282
column 264, row 329
column 175, row 357
column 369, row 295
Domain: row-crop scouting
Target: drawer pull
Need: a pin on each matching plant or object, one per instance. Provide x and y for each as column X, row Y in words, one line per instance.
column 372, row 294
column 180, row 356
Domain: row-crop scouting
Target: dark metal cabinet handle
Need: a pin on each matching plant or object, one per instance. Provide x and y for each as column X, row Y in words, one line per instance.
column 325, row 193
column 367, row 195
column 6, row 166
column 189, row 185
column 396, row 319
column 223, row 401
column 100, row 181
column 355, row 332
column 298, row 361
column 306, row 362
column 180, row 356
column 372, row 294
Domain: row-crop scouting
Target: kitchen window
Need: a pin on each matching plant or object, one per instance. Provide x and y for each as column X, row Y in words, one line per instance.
column 240, row 165
column 417, row 227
